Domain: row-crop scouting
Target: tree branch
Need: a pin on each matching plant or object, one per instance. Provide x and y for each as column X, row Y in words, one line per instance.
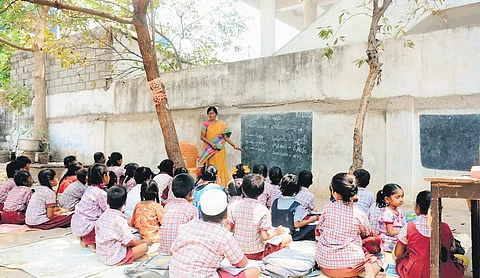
column 14, row 45
column 384, row 7
column 8, row 6
column 64, row 6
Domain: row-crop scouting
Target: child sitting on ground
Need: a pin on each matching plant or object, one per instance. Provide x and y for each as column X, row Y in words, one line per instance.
column 73, row 194
column 114, row 164
column 147, row 215
column 304, row 196
column 17, row 199
column 164, row 180
column 413, row 245
column 66, row 162
column 365, row 197
column 203, row 243
column 275, row 175
column 177, row 212
column 266, row 198
column 12, row 168
column 288, row 212
column 115, row 242
column 142, row 174
column 238, row 172
column 42, row 211
column 251, row 221
column 374, row 213
column 91, row 206
column 339, row 249
column 69, row 177
column 235, row 194
column 25, row 161
column 391, row 220
column 129, row 182
column 208, row 180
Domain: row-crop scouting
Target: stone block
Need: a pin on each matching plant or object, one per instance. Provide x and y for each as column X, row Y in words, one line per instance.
column 81, row 86
column 63, row 88
column 94, row 76
column 21, row 63
column 58, row 82
column 62, row 74
column 97, row 84
column 72, row 88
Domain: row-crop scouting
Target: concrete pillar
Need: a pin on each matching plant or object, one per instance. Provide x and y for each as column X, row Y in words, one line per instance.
column 310, row 12
column 267, row 24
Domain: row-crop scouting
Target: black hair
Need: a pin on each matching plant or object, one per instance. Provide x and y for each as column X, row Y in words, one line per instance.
column 363, row 177
column 82, row 175
column 240, row 171
column 388, row 190
column 166, row 166
column 46, row 176
column 235, row 187
column 260, row 169
column 305, row 178
column 214, row 218
column 25, row 160
column 114, row 158
column 116, row 196
column 130, row 169
column 180, row 170
column 289, row 185
column 212, row 108
column 149, row 191
column 209, row 172
column 96, row 172
column 69, row 160
column 72, row 170
column 423, row 201
column 275, row 175
column 98, row 156
column 112, row 179
column 14, row 167
column 142, row 174
column 253, row 185
column 182, row 184
column 21, row 178
column 343, row 184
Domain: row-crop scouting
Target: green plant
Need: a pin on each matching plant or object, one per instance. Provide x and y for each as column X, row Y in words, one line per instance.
column 18, row 97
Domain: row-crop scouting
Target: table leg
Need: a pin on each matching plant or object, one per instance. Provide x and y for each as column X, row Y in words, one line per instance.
column 475, row 221
column 436, row 235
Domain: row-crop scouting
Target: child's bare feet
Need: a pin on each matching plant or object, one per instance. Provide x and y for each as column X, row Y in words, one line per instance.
column 142, row 258
column 93, row 248
column 83, row 244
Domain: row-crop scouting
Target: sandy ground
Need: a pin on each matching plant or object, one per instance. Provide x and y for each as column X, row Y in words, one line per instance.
column 458, row 219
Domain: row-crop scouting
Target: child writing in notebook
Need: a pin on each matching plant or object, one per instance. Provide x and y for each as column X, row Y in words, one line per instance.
column 17, row 199
column 413, row 245
column 42, row 211
column 148, row 214
column 250, row 222
column 391, row 220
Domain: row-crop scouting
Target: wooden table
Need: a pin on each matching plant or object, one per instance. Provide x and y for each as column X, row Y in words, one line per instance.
column 450, row 187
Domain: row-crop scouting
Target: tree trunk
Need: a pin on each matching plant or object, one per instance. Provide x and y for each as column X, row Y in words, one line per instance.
column 156, row 86
column 40, row 85
column 374, row 76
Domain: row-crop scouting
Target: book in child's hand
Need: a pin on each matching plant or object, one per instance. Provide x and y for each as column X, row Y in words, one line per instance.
column 390, row 271
column 226, row 266
column 276, row 240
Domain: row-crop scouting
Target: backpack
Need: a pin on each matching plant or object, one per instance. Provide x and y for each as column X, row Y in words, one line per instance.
column 155, row 267
column 288, row 263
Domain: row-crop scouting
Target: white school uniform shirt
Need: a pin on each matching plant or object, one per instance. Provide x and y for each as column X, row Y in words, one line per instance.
column 133, row 198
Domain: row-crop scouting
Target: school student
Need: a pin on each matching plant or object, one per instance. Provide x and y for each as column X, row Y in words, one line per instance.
column 142, row 174
column 25, row 161
column 250, row 222
column 391, row 220
column 177, row 212
column 238, row 172
column 374, row 213
column 17, row 199
column 288, row 212
column 304, row 196
column 114, row 164
column 66, row 162
column 208, row 180
column 148, row 214
column 129, row 182
column 73, row 194
column 365, row 197
column 275, row 175
column 180, row 170
column 266, row 198
column 99, row 157
column 413, row 245
column 42, row 211
column 202, row 244
column 12, row 168
column 164, row 180
column 91, row 206
column 339, row 248
column 115, row 242
column 69, row 177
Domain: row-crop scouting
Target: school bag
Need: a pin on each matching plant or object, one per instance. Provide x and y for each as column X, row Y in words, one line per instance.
column 285, row 218
column 155, row 267
column 288, row 263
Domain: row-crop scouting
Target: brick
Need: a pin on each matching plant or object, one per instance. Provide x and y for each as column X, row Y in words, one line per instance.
column 22, row 63
column 62, row 74
column 81, row 86
column 94, row 76
column 72, row 88
column 57, row 82
column 63, row 88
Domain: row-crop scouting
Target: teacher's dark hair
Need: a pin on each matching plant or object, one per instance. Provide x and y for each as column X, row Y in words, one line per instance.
column 212, row 108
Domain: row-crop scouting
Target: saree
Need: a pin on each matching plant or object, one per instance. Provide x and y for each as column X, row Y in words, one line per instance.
column 217, row 157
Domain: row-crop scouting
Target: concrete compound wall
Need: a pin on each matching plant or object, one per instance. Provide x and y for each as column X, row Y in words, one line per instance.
column 439, row 76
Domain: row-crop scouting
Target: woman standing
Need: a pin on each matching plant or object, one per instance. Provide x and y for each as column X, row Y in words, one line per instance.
column 214, row 135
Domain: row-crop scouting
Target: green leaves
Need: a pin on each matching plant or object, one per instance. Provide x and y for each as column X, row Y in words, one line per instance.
column 18, row 97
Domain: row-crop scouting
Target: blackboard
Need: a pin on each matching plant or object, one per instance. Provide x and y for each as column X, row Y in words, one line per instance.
column 449, row 142
column 283, row 140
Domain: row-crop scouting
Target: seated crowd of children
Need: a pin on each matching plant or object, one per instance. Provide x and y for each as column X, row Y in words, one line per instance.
column 118, row 212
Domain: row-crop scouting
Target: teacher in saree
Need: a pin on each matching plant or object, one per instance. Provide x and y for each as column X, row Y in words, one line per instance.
column 214, row 135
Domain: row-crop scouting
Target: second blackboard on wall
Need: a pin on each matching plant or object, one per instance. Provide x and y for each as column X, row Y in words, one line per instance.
column 283, row 140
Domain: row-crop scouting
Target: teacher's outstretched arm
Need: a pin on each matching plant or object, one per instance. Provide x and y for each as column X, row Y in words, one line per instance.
column 229, row 141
